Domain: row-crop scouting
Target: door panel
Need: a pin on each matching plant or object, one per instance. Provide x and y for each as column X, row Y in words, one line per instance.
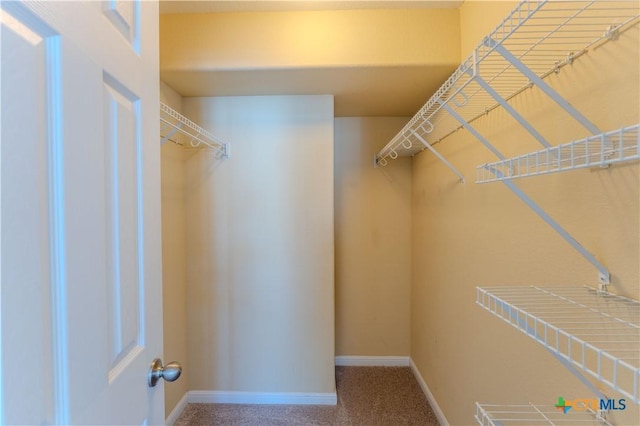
column 81, row 289
column 25, row 224
column 124, row 17
column 122, row 124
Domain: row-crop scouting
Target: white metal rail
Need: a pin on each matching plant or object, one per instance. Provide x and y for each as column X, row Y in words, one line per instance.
column 537, row 39
column 532, row 414
column 601, row 150
column 597, row 332
column 176, row 128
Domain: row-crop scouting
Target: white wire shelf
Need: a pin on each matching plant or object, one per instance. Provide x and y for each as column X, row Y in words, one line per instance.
column 178, row 129
column 602, row 150
column 543, row 35
column 532, row 414
column 598, row 332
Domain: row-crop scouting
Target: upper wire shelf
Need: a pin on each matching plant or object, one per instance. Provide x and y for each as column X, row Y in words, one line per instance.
column 532, row 414
column 543, row 35
column 595, row 151
column 598, row 332
column 177, row 128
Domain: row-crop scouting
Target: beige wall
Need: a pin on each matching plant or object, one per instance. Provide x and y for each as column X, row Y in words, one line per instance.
column 373, row 240
column 260, row 246
column 472, row 29
column 309, row 39
column 174, row 256
column 468, row 235
column 376, row 62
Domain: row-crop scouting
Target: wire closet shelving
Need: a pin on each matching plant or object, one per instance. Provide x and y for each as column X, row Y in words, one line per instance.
column 537, row 39
column 178, row 129
column 598, row 332
column 533, row 415
column 595, row 151
column 593, row 333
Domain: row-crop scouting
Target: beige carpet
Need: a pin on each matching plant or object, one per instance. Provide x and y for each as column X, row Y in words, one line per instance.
column 367, row 396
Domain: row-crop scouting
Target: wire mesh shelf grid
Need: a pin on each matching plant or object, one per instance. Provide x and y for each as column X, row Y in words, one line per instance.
column 598, row 332
column 534, row 414
column 602, row 150
column 543, row 35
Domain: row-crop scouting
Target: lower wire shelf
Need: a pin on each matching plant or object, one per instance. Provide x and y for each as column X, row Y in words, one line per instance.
column 531, row 415
column 598, row 332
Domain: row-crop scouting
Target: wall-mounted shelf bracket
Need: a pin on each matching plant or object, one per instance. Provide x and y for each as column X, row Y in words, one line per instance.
column 541, row 84
column 171, row 131
column 472, row 130
column 439, row 156
column 604, row 277
column 603, row 274
column 177, row 128
column 515, row 114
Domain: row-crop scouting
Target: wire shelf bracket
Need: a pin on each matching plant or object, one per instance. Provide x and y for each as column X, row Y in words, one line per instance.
column 540, row 83
column 604, row 276
column 597, row 332
column 176, row 128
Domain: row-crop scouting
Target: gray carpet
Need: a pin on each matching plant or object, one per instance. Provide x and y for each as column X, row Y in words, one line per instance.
column 367, row 396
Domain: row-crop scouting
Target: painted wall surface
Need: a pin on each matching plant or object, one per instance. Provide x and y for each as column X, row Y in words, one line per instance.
column 472, row 29
column 373, row 240
column 468, row 235
column 260, row 264
column 376, row 62
column 174, row 257
column 309, row 39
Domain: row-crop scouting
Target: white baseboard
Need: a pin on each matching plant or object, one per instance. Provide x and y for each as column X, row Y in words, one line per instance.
column 427, row 392
column 373, row 361
column 235, row 397
column 177, row 410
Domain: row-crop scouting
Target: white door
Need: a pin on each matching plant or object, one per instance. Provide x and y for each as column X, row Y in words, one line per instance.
column 80, row 213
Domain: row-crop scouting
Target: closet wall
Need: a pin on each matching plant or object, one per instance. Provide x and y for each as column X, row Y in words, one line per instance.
column 260, row 247
column 174, row 258
column 468, row 235
column 373, row 240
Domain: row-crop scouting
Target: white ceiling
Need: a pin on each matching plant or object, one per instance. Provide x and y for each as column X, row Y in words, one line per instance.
column 189, row 6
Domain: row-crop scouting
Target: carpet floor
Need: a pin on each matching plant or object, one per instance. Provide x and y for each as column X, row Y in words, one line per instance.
column 367, row 396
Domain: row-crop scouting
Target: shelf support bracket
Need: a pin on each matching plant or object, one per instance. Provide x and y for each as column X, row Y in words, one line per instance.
column 471, row 130
column 542, row 85
column 170, row 134
column 515, row 114
column 604, row 277
column 437, row 154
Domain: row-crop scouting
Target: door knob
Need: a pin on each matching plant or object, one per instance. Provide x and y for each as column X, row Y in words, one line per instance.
column 169, row 372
